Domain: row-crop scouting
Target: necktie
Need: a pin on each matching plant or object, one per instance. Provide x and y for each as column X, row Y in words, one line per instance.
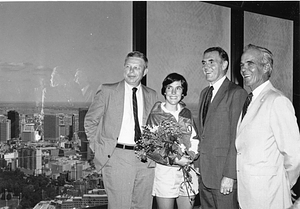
column 246, row 104
column 206, row 103
column 137, row 130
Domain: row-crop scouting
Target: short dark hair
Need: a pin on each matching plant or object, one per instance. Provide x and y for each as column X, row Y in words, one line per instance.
column 223, row 54
column 170, row 79
column 139, row 55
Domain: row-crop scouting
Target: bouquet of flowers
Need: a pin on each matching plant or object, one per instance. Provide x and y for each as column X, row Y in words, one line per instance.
column 164, row 143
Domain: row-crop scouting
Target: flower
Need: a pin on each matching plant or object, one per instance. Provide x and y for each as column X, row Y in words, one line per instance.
column 164, row 143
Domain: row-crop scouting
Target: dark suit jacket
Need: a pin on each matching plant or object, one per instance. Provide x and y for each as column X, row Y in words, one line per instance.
column 104, row 119
column 217, row 137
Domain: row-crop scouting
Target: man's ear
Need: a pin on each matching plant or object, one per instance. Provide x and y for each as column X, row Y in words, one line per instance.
column 267, row 68
column 145, row 72
column 224, row 65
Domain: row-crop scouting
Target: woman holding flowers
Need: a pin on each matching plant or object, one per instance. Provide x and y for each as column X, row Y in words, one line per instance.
column 175, row 178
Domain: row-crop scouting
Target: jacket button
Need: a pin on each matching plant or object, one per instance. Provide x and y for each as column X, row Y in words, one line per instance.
column 108, row 156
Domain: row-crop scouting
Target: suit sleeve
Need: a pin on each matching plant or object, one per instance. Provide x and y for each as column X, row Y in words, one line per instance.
column 238, row 100
column 194, row 143
column 94, row 116
column 197, row 122
column 286, row 133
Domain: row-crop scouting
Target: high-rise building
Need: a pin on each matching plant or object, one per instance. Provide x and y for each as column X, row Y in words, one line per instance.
column 4, row 129
column 28, row 133
column 51, row 128
column 75, row 125
column 13, row 116
column 69, row 125
column 82, row 113
column 62, row 130
column 81, row 133
column 76, row 171
column 30, row 159
column 27, row 158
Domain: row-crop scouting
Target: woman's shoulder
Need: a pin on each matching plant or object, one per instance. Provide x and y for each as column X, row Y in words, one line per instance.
column 157, row 107
column 185, row 112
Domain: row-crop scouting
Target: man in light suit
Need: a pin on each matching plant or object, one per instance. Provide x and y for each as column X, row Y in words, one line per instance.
column 110, row 127
column 268, row 141
column 217, row 129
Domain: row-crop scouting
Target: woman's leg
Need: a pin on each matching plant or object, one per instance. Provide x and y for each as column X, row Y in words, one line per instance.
column 185, row 202
column 165, row 203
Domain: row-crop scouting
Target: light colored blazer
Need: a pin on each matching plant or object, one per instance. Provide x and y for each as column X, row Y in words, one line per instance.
column 268, row 152
column 217, row 137
column 104, row 118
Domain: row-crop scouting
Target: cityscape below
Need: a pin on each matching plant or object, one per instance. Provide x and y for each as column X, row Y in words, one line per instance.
column 45, row 160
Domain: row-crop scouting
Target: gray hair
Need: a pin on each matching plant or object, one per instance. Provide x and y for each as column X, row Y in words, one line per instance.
column 266, row 56
column 139, row 55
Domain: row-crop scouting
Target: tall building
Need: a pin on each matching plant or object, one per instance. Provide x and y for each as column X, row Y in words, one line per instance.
column 4, row 129
column 15, row 123
column 82, row 113
column 69, row 126
column 75, row 125
column 30, row 159
column 81, row 133
column 27, row 159
column 76, row 171
column 51, row 128
column 22, row 122
column 28, row 133
column 62, row 130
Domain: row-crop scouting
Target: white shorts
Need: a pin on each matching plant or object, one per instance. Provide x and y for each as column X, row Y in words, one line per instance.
column 169, row 182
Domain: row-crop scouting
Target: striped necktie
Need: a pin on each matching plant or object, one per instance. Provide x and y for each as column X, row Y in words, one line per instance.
column 246, row 104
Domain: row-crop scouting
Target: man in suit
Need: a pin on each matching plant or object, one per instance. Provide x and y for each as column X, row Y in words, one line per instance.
column 217, row 129
column 111, row 125
column 268, row 141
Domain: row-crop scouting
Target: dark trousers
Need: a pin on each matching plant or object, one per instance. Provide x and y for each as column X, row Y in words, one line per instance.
column 214, row 199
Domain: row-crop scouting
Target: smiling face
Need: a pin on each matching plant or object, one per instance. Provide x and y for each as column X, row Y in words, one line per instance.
column 173, row 94
column 214, row 68
column 134, row 70
column 253, row 70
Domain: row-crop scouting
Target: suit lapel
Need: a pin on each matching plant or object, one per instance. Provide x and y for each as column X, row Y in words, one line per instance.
column 254, row 107
column 218, row 98
column 118, row 102
column 147, row 105
column 201, row 102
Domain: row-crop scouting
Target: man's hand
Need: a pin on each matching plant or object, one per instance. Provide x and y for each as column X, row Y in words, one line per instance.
column 183, row 161
column 226, row 185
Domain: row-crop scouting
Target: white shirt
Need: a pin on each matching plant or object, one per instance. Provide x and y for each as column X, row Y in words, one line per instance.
column 127, row 128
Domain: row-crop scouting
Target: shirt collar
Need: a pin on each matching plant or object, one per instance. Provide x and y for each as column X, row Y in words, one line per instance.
column 217, row 85
column 129, row 87
column 259, row 89
column 168, row 111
